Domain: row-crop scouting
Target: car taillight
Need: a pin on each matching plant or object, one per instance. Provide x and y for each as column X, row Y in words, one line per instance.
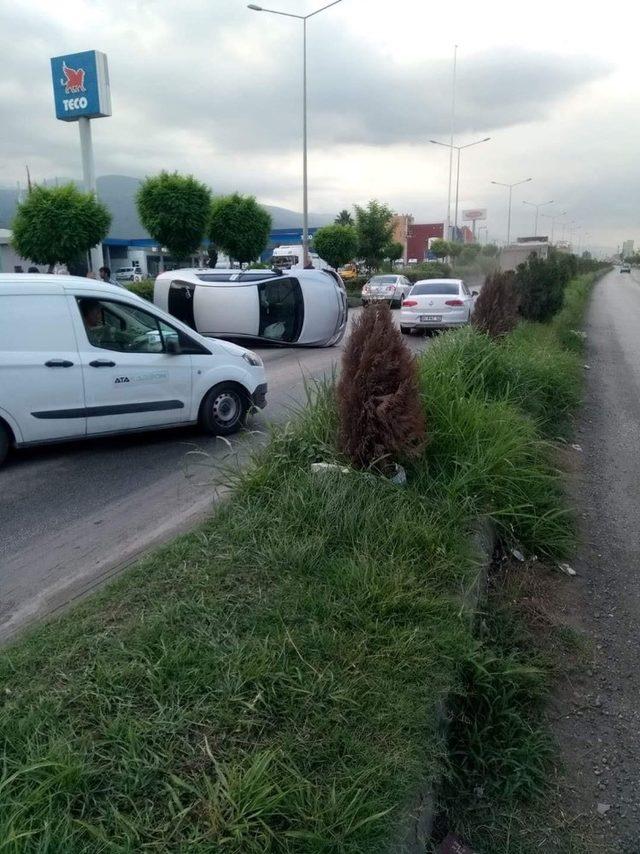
column 409, row 302
column 456, row 302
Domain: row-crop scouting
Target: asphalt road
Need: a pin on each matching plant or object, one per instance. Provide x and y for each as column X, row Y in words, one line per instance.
column 599, row 724
column 73, row 515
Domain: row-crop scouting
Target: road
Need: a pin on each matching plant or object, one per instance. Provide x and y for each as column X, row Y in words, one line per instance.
column 599, row 728
column 73, row 515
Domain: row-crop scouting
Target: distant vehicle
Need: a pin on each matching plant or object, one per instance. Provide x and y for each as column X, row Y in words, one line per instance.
column 625, row 268
column 95, row 360
column 128, row 274
column 389, row 288
column 306, row 309
column 349, row 272
column 291, row 258
column 437, row 304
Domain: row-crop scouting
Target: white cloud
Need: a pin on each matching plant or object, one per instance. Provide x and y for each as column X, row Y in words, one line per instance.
column 209, row 87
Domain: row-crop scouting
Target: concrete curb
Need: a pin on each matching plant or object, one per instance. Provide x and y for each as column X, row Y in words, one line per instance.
column 414, row 830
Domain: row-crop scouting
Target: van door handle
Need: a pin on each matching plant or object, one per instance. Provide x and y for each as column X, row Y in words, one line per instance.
column 59, row 363
column 102, row 363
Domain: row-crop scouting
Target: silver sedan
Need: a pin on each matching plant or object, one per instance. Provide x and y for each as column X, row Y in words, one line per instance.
column 390, row 288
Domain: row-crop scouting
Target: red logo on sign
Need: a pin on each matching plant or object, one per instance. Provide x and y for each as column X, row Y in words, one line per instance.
column 73, row 80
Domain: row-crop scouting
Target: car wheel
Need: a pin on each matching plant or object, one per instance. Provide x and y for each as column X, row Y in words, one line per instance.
column 4, row 443
column 406, row 330
column 224, row 409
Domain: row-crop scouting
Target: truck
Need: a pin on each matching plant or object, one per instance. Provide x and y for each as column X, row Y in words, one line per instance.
column 291, row 258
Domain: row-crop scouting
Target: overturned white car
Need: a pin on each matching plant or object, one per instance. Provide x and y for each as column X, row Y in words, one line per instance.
column 306, row 309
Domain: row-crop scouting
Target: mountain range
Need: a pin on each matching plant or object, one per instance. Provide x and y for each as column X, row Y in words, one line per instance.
column 118, row 193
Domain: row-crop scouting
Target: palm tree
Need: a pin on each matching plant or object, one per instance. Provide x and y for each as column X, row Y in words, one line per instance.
column 344, row 218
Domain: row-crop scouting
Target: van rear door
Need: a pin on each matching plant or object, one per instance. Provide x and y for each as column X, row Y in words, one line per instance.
column 40, row 372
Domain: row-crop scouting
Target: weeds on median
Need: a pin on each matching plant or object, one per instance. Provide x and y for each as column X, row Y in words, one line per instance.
column 270, row 682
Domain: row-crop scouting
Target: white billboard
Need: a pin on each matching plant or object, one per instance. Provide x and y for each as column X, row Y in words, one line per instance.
column 475, row 214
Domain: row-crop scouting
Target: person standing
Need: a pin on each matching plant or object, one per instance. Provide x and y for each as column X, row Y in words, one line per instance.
column 105, row 275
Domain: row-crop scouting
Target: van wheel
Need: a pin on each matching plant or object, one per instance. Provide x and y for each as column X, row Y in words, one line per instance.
column 224, row 409
column 4, row 443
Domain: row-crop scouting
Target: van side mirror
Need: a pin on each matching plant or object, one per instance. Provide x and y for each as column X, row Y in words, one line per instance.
column 173, row 346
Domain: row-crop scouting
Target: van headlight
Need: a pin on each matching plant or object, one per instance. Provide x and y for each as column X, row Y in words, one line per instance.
column 254, row 360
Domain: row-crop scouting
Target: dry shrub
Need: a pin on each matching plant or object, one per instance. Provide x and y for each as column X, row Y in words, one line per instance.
column 381, row 416
column 496, row 308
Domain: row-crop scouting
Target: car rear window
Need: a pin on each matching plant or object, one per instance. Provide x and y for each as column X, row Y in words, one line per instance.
column 435, row 289
column 383, row 280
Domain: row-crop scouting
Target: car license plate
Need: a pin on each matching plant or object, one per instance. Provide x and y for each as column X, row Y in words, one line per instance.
column 430, row 318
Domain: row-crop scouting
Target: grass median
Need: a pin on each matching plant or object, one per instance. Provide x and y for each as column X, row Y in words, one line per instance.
column 271, row 682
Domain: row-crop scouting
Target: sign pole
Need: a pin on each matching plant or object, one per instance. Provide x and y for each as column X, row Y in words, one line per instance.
column 89, row 178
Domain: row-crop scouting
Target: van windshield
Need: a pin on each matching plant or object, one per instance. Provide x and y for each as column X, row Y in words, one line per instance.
column 282, row 261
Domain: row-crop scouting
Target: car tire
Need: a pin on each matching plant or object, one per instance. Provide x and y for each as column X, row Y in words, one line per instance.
column 224, row 409
column 406, row 330
column 4, row 443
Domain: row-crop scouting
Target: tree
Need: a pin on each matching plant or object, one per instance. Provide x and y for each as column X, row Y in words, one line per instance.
column 239, row 226
column 380, row 412
column 344, row 218
column 440, row 248
column 59, row 224
column 337, row 244
column 490, row 250
column 174, row 209
column 374, row 232
column 540, row 284
column 393, row 251
column 496, row 308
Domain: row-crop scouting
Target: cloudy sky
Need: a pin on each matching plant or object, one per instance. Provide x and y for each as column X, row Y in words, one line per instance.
column 211, row 88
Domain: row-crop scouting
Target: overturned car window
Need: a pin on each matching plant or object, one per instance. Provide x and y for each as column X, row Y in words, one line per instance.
column 281, row 310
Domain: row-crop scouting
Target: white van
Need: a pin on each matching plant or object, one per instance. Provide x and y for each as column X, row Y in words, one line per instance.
column 82, row 359
column 292, row 258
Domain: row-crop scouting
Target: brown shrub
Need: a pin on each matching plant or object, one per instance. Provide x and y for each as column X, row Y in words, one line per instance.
column 381, row 416
column 496, row 308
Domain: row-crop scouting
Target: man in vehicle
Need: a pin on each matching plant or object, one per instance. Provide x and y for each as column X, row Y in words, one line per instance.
column 99, row 333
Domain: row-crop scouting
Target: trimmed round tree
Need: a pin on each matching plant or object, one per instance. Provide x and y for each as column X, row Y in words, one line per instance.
column 58, row 225
column 175, row 210
column 337, row 244
column 239, row 226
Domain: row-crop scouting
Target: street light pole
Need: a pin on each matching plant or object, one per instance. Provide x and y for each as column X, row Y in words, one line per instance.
column 510, row 186
column 458, row 148
column 553, row 218
column 447, row 234
column 537, row 207
column 305, row 193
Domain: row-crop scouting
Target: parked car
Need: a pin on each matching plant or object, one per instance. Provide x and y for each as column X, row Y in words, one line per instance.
column 128, row 274
column 625, row 268
column 437, row 304
column 386, row 288
column 306, row 309
column 81, row 359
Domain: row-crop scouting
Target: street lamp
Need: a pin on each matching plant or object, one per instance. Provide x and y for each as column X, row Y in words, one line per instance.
column 510, row 186
column 537, row 207
column 305, row 202
column 553, row 218
column 458, row 148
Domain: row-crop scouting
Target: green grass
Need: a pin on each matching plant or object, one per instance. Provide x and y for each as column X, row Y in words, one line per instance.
column 271, row 682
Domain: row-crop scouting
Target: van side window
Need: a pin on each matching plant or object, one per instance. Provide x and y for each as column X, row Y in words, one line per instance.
column 112, row 325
